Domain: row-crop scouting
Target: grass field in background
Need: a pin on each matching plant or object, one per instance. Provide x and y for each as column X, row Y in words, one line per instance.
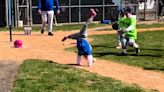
column 155, row 25
column 43, row 76
column 79, row 26
column 151, row 45
column 141, row 26
column 58, row 28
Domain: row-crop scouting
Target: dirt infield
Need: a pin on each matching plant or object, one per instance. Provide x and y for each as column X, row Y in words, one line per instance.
column 37, row 46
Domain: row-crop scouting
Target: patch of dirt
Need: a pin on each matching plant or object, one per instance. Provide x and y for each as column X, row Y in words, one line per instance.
column 37, row 46
column 8, row 72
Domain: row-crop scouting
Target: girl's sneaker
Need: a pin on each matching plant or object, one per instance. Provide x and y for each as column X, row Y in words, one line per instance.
column 92, row 13
column 94, row 60
column 118, row 47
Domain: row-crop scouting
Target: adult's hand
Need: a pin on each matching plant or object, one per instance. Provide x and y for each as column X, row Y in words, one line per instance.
column 58, row 12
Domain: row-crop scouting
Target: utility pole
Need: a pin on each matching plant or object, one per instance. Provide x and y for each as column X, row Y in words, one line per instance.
column 10, row 18
column 144, row 9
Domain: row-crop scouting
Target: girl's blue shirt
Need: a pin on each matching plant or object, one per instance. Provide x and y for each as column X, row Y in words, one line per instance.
column 83, row 47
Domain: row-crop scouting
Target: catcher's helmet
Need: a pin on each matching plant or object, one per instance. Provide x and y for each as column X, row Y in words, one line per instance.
column 18, row 44
column 126, row 10
column 115, row 26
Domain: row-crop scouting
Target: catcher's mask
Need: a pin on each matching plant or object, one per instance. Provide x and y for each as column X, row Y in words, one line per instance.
column 18, row 44
column 126, row 10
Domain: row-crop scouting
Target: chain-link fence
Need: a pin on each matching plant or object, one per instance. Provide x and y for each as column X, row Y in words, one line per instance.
column 2, row 13
column 78, row 10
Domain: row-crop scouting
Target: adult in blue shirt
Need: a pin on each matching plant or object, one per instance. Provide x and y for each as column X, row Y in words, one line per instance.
column 46, row 10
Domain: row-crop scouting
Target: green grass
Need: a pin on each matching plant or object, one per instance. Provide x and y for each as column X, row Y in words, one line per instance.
column 58, row 28
column 43, row 76
column 151, row 45
column 79, row 26
column 154, row 25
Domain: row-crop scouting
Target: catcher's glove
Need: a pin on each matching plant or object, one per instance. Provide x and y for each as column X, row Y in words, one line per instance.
column 115, row 26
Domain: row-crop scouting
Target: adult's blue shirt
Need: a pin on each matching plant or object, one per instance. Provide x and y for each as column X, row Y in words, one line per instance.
column 47, row 5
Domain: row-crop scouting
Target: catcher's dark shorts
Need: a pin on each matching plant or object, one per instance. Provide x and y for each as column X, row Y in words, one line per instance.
column 84, row 47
